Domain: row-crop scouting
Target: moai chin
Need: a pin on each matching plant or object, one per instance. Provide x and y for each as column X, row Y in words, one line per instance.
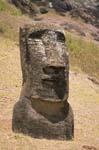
column 43, row 110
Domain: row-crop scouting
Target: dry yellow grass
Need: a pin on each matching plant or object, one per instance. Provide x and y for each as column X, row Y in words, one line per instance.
column 84, row 98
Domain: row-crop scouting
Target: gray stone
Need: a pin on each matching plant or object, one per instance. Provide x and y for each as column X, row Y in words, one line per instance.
column 43, row 10
column 62, row 5
column 43, row 109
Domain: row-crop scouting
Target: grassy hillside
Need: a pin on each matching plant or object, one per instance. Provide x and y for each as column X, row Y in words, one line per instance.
column 84, row 95
column 6, row 7
column 8, row 14
column 84, row 53
column 11, row 19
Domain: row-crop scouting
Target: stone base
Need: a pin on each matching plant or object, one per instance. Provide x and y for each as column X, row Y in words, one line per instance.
column 55, row 122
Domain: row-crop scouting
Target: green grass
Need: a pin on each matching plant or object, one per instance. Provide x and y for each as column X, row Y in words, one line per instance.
column 4, row 6
column 84, row 54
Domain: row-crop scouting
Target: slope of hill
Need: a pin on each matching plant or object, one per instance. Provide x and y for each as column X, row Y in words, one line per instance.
column 87, row 10
column 84, row 94
column 82, row 38
column 84, row 98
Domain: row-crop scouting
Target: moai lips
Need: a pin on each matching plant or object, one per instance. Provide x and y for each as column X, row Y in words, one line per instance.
column 44, row 61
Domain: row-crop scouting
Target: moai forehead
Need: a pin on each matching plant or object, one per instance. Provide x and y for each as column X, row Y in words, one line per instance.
column 43, row 26
column 45, row 61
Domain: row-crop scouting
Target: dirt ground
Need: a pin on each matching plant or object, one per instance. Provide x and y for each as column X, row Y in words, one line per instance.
column 84, row 99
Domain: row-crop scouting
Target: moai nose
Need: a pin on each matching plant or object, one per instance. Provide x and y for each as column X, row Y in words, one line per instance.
column 56, row 63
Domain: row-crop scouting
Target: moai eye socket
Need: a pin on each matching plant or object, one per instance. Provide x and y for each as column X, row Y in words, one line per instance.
column 60, row 37
column 36, row 35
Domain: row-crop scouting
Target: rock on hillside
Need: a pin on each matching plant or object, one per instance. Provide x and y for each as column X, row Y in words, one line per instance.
column 87, row 10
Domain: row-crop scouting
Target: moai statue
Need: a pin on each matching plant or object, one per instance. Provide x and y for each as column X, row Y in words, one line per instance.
column 43, row 110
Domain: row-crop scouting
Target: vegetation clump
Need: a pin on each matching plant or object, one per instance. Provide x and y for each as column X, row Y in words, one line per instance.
column 84, row 54
column 4, row 6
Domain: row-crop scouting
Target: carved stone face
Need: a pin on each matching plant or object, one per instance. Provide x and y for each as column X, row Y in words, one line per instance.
column 47, row 65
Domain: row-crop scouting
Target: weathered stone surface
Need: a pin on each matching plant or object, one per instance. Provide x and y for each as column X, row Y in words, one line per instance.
column 43, row 110
column 62, row 5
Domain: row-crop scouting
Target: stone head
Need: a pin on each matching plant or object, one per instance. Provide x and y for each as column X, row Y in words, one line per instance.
column 44, row 60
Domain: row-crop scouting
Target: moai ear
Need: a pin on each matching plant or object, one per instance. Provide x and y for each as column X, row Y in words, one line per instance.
column 24, row 54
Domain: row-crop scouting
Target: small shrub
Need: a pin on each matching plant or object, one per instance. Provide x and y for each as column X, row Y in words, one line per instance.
column 3, row 28
column 18, row 137
column 4, row 6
